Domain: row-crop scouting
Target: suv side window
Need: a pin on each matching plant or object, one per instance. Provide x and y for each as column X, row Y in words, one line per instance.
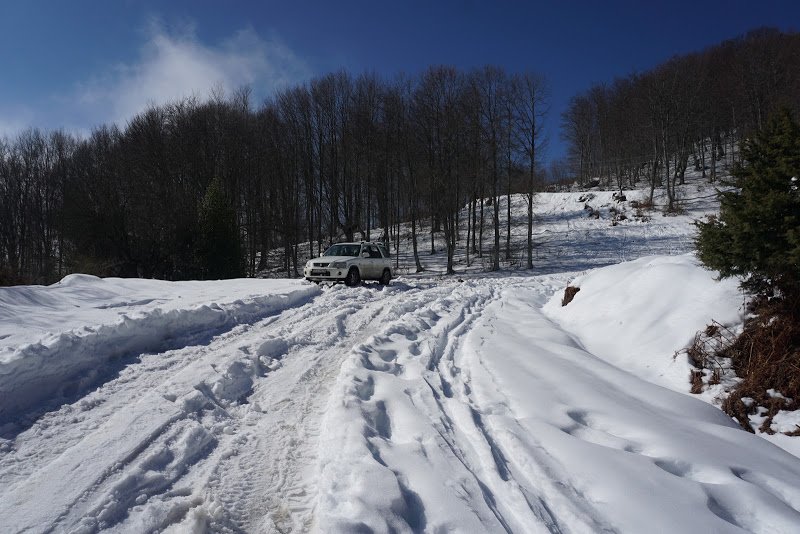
column 384, row 250
column 374, row 252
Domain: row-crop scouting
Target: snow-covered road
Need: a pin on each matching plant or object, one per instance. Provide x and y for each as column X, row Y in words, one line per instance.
column 428, row 406
column 236, row 418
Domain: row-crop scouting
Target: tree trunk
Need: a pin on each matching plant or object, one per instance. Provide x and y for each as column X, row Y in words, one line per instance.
column 433, row 228
column 469, row 229
column 480, row 238
column 414, row 242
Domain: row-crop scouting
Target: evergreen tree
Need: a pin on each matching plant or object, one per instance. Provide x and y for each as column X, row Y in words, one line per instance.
column 757, row 234
column 219, row 249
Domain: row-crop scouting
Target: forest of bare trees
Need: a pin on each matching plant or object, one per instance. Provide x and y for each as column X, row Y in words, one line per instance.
column 229, row 187
column 692, row 110
column 213, row 189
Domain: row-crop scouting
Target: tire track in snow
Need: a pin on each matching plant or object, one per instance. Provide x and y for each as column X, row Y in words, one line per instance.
column 559, row 505
column 268, row 484
column 245, row 433
column 57, row 431
column 163, row 415
column 419, row 357
column 480, row 452
column 420, row 370
column 41, row 376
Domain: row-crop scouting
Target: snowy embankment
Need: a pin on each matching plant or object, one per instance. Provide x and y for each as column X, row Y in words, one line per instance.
column 57, row 341
column 633, row 314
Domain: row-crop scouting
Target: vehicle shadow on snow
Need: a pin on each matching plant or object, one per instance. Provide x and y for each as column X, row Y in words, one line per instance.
column 394, row 286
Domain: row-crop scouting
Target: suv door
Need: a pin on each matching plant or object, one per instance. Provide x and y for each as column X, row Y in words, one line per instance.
column 365, row 262
column 375, row 259
column 385, row 260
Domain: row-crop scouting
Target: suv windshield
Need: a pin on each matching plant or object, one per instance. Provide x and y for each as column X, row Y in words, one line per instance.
column 343, row 250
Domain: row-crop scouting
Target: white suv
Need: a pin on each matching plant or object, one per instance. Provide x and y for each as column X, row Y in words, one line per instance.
column 350, row 263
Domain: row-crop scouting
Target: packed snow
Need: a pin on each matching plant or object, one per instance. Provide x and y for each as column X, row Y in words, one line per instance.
column 472, row 403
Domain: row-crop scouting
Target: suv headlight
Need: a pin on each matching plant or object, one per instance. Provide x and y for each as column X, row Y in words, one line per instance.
column 339, row 264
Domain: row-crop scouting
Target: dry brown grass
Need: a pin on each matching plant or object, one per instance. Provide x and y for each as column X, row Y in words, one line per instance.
column 645, row 204
column 705, row 351
column 696, row 379
column 766, row 356
column 641, row 207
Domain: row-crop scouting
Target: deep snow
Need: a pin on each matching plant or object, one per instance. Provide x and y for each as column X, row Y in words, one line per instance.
column 474, row 403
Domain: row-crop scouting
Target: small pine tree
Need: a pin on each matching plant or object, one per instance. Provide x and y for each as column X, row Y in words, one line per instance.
column 757, row 234
column 219, row 249
column 757, row 237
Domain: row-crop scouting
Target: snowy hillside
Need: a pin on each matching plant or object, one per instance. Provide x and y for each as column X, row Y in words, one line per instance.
column 475, row 403
column 573, row 231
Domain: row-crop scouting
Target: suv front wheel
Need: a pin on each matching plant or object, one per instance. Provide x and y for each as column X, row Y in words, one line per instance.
column 352, row 278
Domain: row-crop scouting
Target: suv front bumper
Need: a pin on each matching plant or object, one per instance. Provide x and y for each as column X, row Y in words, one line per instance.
column 325, row 274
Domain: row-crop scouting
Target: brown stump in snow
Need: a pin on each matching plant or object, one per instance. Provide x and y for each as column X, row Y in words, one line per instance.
column 569, row 294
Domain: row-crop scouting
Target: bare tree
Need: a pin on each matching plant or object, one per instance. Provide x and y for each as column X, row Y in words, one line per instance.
column 531, row 93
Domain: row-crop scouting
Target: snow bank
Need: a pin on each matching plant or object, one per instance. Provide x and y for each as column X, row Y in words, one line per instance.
column 56, row 341
column 638, row 314
column 607, row 451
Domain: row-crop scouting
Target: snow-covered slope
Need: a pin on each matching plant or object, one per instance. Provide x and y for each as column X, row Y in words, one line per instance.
column 464, row 404
column 572, row 231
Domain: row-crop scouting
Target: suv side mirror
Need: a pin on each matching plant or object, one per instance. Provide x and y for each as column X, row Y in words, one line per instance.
column 365, row 254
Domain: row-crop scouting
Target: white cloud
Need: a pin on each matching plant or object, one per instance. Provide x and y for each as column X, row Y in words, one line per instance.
column 14, row 122
column 174, row 65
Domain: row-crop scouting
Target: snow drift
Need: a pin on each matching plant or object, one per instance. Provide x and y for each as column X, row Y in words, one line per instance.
column 60, row 340
column 637, row 314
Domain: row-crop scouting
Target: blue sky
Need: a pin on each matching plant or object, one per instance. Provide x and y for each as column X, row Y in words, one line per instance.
column 81, row 63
